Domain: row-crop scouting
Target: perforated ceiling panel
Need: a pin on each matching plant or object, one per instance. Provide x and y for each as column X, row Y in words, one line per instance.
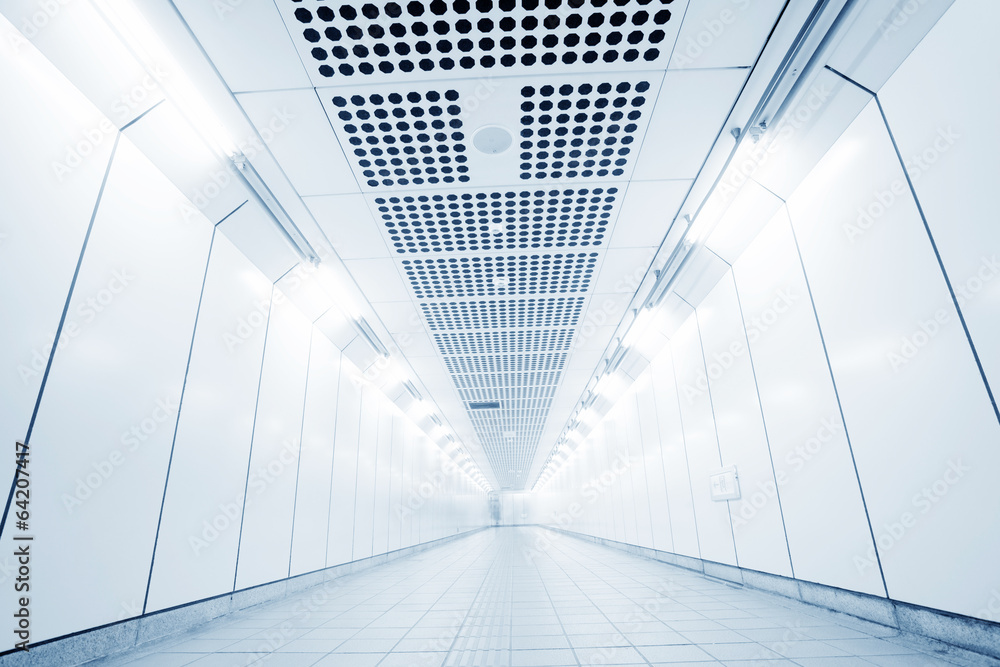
column 504, row 342
column 557, row 273
column 494, row 314
column 436, row 39
column 493, row 142
column 498, row 220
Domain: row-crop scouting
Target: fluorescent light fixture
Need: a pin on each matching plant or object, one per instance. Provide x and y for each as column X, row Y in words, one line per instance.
column 412, row 389
column 277, row 212
column 807, row 53
column 368, row 334
column 666, row 276
column 615, row 360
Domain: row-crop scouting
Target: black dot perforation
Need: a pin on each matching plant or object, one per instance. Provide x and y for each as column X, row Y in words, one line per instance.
column 504, row 342
column 386, row 38
column 501, row 380
column 500, row 276
column 405, row 139
column 505, row 314
column 507, row 396
column 508, row 363
column 579, row 131
column 498, row 220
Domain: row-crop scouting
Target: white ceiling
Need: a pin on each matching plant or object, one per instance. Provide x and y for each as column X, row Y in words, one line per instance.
column 500, row 277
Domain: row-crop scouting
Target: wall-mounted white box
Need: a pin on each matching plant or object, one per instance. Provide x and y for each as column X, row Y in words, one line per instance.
column 725, row 484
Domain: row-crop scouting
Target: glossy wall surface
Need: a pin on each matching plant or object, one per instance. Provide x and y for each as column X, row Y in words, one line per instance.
column 845, row 364
column 193, row 433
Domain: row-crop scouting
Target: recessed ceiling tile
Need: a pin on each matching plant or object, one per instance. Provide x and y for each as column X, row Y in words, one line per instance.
column 417, row 344
column 347, row 221
column 586, row 359
column 233, row 33
column 648, row 209
column 398, row 316
column 596, row 338
column 293, row 126
column 724, row 33
column 689, row 115
column 378, row 279
column 623, row 269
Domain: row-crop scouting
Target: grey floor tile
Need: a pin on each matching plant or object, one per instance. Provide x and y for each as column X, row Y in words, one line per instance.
column 480, row 602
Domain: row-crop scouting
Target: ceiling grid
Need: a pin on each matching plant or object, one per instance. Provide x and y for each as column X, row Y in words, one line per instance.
column 492, row 215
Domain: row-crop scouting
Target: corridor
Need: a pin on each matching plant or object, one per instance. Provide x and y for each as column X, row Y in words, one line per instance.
column 530, row 597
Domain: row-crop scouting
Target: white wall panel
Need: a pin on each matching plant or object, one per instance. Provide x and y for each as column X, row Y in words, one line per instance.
column 891, row 330
column 399, row 430
column 620, row 465
column 364, row 495
column 950, row 151
column 383, row 478
column 684, row 527
column 319, row 428
column 345, row 466
column 637, row 470
column 407, row 530
column 824, row 514
column 659, row 505
column 715, row 532
column 266, row 535
column 758, row 527
column 199, row 530
column 47, row 208
column 106, row 420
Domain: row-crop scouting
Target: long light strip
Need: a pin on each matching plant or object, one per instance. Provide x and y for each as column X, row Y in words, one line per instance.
column 276, row 211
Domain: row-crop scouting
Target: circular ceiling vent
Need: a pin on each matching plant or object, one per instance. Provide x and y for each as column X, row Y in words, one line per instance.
column 492, row 140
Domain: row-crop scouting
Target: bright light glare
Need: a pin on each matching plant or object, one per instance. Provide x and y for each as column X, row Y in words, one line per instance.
column 140, row 38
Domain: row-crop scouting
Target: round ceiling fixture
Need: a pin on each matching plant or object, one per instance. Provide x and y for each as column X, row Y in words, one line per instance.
column 491, row 140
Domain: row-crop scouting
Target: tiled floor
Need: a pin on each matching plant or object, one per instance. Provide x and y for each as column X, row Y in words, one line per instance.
column 532, row 598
